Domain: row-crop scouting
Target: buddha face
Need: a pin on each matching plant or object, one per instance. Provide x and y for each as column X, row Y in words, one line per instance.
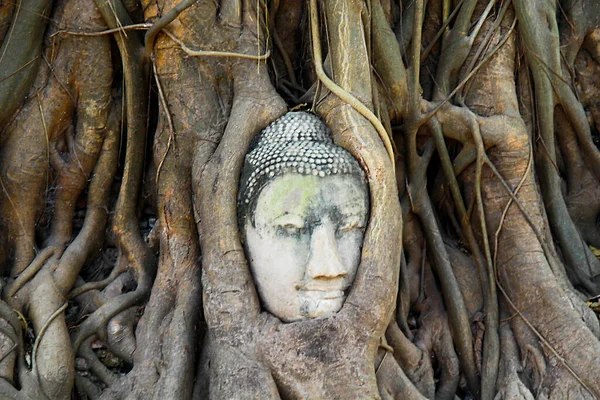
column 305, row 243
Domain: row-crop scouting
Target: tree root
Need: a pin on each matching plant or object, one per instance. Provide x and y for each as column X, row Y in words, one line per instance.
column 96, row 323
column 27, row 274
column 21, row 54
column 544, row 341
column 393, row 383
column 208, row 53
column 340, row 92
column 95, row 365
column 40, row 335
column 510, row 386
column 414, row 361
column 543, row 59
column 162, row 23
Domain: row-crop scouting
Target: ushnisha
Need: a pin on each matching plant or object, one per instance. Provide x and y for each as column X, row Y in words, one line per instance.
column 297, row 142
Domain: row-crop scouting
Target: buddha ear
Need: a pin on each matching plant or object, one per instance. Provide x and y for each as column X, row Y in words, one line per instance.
column 241, row 231
column 242, row 225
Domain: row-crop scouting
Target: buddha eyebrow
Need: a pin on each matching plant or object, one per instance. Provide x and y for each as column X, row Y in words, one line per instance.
column 286, row 213
column 336, row 212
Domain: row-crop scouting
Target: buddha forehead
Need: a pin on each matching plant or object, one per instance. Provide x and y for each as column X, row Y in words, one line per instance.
column 312, row 198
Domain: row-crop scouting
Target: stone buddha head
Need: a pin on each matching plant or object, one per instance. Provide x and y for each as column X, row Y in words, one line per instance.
column 303, row 207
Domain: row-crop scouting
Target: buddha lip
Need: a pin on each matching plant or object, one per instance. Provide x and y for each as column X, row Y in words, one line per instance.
column 325, row 293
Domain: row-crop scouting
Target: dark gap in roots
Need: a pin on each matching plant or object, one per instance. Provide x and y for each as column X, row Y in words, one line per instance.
column 595, row 135
column 148, row 199
column 99, row 268
column 44, row 219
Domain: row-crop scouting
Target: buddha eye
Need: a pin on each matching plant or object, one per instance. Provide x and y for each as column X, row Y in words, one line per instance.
column 350, row 225
column 290, row 229
column 289, row 225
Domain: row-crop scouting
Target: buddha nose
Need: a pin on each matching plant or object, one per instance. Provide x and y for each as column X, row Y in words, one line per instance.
column 324, row 260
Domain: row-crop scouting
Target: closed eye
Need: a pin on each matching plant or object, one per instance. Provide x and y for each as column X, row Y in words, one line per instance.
column 290, row 225
column 351, row 225
column 290, row 229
